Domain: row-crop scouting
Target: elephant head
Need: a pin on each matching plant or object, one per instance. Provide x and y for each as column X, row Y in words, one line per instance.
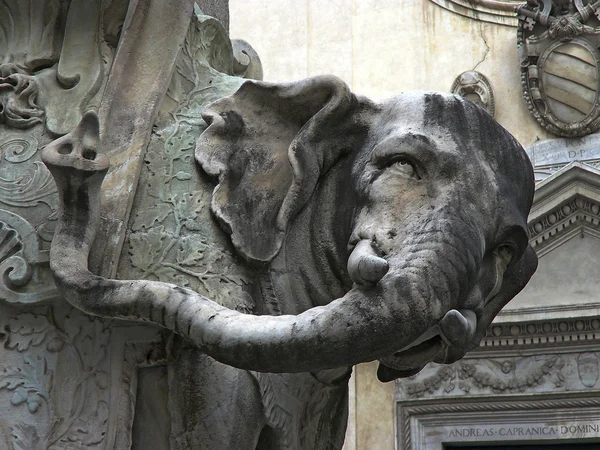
column 400, row 227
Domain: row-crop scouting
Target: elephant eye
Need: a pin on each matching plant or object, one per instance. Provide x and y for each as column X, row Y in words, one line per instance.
column 405, row 167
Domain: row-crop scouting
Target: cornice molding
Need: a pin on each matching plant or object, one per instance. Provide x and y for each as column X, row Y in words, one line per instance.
column 501, row 12
column 575, row 177
column 574, row 216
column 413, row 415
column 570, row 334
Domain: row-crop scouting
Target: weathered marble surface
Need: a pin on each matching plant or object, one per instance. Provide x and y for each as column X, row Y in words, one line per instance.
column 382, row 47
column 68, row 380
column 305, row 210
column 313, row 186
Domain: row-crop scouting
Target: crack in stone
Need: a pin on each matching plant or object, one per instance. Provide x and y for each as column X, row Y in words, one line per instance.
column 487, row 47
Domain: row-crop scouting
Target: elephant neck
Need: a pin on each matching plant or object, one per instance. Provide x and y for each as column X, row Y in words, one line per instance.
column 310, row 270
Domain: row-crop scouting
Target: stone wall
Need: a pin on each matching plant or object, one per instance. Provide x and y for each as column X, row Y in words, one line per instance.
column 383, row 47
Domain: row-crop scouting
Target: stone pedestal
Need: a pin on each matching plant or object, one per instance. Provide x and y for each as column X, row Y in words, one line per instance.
column 69, row 380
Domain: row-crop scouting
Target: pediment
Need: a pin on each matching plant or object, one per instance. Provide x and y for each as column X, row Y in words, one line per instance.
column 564, row 227
column 565, row 204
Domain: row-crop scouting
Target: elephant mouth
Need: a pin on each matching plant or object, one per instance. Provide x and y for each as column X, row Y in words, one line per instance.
column 455, row 330
column 411, row 361
column 416, row 356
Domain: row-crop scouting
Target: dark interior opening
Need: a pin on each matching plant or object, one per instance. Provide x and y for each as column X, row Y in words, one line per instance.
column 556, row 446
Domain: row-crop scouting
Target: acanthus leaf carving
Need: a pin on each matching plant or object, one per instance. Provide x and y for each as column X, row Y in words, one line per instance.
column 78, row 414
column 29, row 189
column 73, row 347
column 165, row 230
column 25, row 437
column 30, row 33
column 18, row 98
column 27, row 330
column 19, row 149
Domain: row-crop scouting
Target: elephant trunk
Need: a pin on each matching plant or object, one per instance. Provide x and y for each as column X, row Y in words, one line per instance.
column 365, row 266
column 369, row 322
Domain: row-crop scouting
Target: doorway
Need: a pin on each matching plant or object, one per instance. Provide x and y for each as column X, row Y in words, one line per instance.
column 562, row 446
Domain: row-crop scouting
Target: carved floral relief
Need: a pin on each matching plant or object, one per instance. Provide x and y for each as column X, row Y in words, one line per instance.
column 52, row 344
column 509, row 375
column 56, row 372
column 172, row 236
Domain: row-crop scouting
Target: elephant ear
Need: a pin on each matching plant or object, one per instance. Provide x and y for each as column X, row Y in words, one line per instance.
column 268, row 144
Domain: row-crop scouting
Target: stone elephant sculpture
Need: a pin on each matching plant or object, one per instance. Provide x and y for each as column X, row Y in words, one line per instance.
column 391, row 231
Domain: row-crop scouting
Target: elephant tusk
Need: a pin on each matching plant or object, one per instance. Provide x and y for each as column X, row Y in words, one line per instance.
column 365, row 266
column 457, row 328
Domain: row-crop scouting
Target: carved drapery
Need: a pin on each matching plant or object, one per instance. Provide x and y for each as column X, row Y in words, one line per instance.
column 69, row 380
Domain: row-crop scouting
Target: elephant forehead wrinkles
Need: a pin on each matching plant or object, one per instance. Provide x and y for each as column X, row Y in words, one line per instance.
column 473, row 153
column 486, row 143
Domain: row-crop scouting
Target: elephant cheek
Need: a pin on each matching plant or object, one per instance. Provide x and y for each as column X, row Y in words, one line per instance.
column 488, row 285
column 438, row 272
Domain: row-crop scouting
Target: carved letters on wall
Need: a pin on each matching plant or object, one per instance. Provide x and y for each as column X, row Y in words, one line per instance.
column 547, row 368
column 558, row 46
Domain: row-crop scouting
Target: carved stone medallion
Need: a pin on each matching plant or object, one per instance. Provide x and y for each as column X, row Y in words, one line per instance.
column 475, row 86
column 558, row 45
